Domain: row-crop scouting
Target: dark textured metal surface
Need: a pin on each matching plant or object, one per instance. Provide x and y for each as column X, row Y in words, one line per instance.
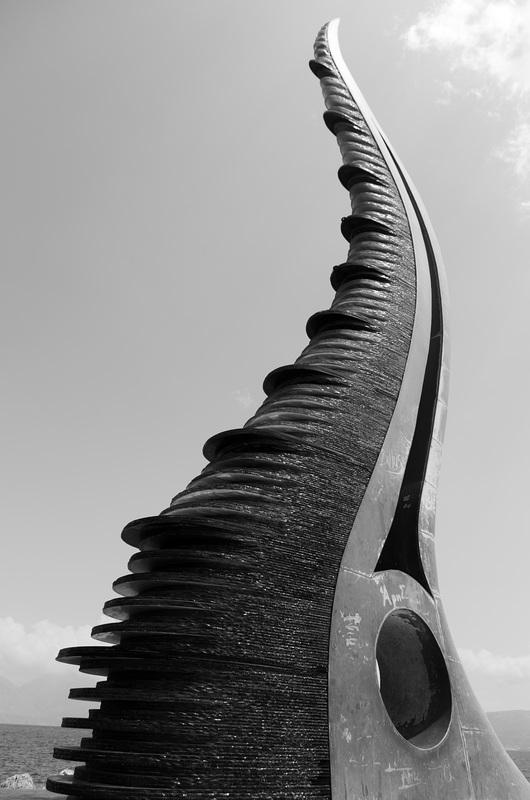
column 217, row 681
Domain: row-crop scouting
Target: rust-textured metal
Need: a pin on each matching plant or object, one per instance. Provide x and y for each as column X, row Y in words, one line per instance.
column 280, row 634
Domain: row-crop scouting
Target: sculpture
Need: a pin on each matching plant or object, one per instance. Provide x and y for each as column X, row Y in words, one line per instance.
column 280, row 634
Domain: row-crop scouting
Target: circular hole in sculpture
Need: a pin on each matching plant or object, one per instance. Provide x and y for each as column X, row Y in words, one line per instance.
column 413, row 679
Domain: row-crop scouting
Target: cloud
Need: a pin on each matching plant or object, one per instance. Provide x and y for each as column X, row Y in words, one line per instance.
column 491, row 41
column 515, row 151
column 27, row 653
column 447, row 90
column 504, row 668
column 489, row 38
column 524, row 207
column 501, row 683
column 244, row 398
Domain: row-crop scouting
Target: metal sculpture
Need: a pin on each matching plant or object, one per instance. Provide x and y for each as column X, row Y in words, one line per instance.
column 280, row 634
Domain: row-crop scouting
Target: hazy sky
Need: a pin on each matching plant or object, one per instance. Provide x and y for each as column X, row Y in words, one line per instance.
column 170, row 216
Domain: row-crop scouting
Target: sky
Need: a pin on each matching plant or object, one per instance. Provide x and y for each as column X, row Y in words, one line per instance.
column 170, row 216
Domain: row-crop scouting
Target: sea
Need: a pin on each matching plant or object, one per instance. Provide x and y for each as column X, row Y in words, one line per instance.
column 29, row 748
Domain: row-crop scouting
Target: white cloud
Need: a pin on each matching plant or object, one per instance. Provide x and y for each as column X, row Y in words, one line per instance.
column 524, row 208
column 515, row 151
column 501, row 683
column 244, row 398
column 503, row 668
column 489, row 38
column 447, row 90
column 27, row 653
column 491, row 41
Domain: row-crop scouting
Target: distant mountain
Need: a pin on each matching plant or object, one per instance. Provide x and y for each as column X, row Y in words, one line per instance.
column 42, row 701
column 512, row 728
